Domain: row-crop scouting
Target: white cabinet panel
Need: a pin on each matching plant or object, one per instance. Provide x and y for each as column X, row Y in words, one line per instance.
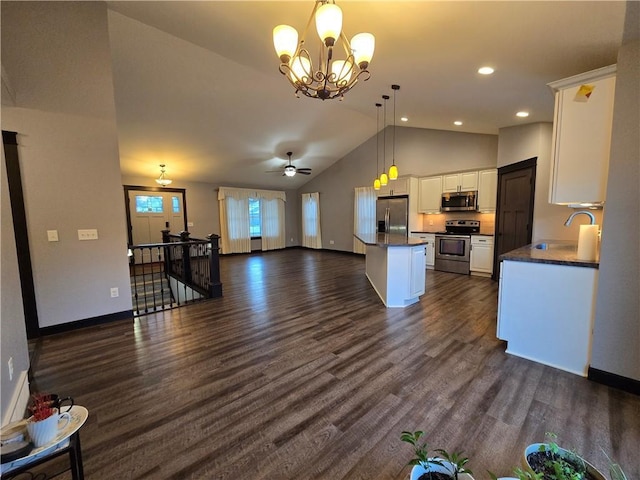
column 430, row 194
column 460, row 182
column 487, row 190
column 417, row 284
column 581, row 143
column 400, row 186
column 481, row 258
column 430, row 248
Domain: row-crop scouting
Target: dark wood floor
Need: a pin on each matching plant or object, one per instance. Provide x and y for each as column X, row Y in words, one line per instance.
column 300, row 372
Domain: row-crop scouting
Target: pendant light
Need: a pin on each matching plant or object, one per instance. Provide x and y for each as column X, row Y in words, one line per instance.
column 383, row 176
column 393, row 170
column 162, row 180
column 376, row 182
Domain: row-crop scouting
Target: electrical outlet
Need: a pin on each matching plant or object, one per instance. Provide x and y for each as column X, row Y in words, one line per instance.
column 431, row 223
column 189, row 224
column 90, row 234
column 52, row 235
column 331, row 242
column 10, row 365
column 291, row 239
column 114, row 292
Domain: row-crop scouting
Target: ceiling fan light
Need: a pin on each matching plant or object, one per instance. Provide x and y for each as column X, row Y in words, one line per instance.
column 363, row 46
column 289, row 170
column 393, row 172
column 329, row 23
column 384, row 179
column 285, row 41
column 376, row 184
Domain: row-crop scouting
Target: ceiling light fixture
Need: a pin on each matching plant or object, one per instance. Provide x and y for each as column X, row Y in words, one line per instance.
column 384, row 180
column 393, row 170
column 485, row 70
column 162, row 179
column 522, row 114
column 376, row 182
column 333, row 78
column 457, row 123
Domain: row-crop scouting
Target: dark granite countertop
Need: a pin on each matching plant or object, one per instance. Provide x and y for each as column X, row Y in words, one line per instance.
column 557, row 252
column 389, row 240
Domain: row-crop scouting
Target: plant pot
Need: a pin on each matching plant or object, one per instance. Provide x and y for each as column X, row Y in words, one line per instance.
column 446, row 467
column 535, row 447
column 43, row 432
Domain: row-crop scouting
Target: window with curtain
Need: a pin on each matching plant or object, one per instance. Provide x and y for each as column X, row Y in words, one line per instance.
column 311, row 233
column 364, row 215
column 246, row 213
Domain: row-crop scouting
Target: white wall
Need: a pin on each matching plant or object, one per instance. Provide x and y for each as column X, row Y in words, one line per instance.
column 616, row 337
column 68, row 152
column 419, row 152
column 13, row 341
column 534, row 140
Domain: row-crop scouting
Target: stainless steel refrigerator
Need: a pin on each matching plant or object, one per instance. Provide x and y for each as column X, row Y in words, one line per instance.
column 392, row 215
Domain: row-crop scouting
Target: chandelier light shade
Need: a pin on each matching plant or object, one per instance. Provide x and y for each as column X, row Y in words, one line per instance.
column 328, row 78
column 393, row 169
column 162, row 179
column 376, row 182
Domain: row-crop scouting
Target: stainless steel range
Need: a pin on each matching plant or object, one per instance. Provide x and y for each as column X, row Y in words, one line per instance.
column 453, row 246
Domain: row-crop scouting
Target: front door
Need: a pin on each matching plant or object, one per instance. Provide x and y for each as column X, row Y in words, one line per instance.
column 514, row 214
column 150, row 212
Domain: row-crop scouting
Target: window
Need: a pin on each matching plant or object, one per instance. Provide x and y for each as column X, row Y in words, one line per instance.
column 175, row 204
column 148, row 204
column 255, row 229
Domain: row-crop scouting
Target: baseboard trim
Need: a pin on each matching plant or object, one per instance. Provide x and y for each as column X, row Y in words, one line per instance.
column 87, row 322
column 613, row 380
column 19, row 400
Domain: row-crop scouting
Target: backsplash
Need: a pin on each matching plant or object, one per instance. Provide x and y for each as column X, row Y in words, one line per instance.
column 435, row 222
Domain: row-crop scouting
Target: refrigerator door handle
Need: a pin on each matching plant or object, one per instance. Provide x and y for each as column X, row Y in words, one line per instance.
column 387, row 220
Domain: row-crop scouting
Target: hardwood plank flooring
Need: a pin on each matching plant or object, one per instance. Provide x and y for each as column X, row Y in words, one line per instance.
column 300, row 372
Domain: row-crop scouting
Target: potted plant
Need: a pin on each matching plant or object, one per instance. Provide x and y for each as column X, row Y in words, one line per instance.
column 556, row 463
column 443, row 467
column 43, row 426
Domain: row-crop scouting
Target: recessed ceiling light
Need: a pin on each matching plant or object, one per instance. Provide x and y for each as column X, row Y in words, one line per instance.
column 522, row 114
column 485, row 70
column 457, row 122
column 404, row 119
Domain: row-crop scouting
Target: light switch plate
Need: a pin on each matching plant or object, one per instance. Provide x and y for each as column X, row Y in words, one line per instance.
column 52, row 235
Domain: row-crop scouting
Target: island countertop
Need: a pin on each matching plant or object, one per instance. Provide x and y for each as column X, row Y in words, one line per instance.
column 389, row 240
column 555, row 252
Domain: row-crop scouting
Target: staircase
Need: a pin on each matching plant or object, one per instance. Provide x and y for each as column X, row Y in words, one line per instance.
column 150, row 293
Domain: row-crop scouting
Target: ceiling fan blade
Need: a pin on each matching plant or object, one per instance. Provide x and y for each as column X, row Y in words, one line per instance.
column 303, row 169
column 303, row 172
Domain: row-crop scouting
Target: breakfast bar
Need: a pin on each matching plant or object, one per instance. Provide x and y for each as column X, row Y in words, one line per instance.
column 395, row 267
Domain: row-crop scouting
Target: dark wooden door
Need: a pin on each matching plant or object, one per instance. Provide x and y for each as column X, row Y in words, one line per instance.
column 514, row 214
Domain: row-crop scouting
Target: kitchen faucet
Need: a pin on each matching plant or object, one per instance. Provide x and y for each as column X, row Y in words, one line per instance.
column 570, row 219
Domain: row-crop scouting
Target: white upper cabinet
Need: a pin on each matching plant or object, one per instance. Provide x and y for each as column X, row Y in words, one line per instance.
column 581, row 143
column 487, row 190
column 429, row 194
column 400, row 186
column 460, row 182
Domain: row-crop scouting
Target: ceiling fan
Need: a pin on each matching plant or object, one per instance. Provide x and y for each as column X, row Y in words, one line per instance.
column 290, row 170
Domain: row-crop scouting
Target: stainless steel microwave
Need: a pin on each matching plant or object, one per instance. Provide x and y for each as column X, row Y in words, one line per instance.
column 459, row 201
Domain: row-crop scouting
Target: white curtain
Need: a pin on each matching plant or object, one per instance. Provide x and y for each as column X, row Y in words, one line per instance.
column 272, row 222
column 311, row 235
column 364, row 215
column 235, row 236
column 234, row 225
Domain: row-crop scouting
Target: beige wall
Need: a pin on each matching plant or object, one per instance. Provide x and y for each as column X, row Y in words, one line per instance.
column 616, row 336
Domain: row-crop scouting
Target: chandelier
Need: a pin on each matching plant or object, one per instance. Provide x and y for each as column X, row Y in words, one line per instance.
column 162, row 179
column 329, row 78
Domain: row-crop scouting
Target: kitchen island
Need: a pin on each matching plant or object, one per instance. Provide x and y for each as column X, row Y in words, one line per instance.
column 395, row 267
column 546, row 305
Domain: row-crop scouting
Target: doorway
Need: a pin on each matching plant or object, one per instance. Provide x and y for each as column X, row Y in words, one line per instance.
column 151, row 210
column 514, row 214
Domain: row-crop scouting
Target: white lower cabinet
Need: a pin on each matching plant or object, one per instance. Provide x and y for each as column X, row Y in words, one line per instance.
column 481, row 260
column 430, row 248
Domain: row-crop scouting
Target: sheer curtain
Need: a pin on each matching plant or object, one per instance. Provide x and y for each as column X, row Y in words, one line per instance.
column 311, row 235
column 272, row 220
column 234, row 225
column 364, row 215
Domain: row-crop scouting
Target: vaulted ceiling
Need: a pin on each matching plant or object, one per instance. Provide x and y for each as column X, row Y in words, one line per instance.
column 197, row 85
